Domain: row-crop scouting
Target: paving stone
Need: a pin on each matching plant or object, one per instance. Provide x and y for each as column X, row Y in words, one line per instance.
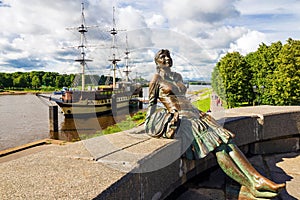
column 290, row 165
column 287, row 162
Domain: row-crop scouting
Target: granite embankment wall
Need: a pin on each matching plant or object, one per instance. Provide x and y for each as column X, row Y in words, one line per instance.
column 259, row 130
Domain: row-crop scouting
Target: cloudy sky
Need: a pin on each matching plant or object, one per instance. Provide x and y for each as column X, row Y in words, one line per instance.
column 34, row 36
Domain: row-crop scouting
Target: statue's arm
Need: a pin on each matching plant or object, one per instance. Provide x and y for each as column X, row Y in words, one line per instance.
column 153, row 96
column 179, row 83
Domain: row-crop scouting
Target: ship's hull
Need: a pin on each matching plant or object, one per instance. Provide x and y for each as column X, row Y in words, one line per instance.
column 96, row 103
column 81, row 109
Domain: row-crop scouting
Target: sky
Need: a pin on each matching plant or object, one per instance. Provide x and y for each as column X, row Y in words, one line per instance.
column 41, row 35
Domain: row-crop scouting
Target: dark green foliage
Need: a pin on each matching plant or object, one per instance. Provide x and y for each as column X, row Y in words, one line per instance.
column 35, row 80
column 285, row 88
column 274, row 70
column 51, row 80
column 231, row 79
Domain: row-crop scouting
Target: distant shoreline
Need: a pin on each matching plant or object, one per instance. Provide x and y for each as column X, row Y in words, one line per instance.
column 13, row 93
column 20, row 92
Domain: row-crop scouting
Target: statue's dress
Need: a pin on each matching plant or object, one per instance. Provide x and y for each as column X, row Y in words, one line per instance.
column 199, row 133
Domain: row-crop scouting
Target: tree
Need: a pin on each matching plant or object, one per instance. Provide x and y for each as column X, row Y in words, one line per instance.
column 68, row 79
column 48, row 79
column 276, row 68
column 263, row 63
column 286, row 88
column 217, row 82
column 59, row 81
column 35, row 83
column 20, row 81
column 234, row 76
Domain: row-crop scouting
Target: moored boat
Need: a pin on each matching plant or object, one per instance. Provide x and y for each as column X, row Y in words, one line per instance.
column 101, row 99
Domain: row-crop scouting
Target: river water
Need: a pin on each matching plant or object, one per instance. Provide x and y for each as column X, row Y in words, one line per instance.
column 25, row 119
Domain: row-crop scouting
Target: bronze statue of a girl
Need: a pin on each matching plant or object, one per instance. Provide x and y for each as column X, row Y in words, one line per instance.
column 201, row 133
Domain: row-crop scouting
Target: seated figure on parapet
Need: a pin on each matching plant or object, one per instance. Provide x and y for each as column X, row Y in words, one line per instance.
column 199, row 133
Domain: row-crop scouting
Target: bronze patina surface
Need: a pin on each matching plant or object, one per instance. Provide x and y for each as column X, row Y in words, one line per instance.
column 200, row 133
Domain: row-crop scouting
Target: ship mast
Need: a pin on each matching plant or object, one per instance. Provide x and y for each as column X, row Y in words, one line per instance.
column 82, row 29
column 127, row 52
column 114, row 60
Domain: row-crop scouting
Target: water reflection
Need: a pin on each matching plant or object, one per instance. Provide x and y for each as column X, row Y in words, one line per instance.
column 79, row 128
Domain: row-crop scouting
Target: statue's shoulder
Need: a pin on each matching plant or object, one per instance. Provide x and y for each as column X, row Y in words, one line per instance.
column 156, row 78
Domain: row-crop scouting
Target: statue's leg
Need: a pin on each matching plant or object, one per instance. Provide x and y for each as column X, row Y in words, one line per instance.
column 259, row 182
column 232, row 170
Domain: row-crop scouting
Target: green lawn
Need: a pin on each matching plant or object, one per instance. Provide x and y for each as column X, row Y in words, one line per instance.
column 203, row 102
column 127, row 124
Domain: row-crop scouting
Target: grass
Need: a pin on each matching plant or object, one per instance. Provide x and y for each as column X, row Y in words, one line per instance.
column 203, row 102
column 127, row 124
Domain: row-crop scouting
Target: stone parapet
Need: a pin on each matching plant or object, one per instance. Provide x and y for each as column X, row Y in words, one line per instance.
column 259, row 130
column 132, row 165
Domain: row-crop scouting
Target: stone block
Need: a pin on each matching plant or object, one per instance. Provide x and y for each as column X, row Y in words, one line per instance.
column 275, row 146
column 278, row 125
column 246, row 129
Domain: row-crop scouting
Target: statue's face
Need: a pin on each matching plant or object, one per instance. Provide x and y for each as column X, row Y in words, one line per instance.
column 164, row 60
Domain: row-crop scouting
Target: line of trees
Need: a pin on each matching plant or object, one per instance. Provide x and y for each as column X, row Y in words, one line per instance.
column 35, row 80
column 270, row 76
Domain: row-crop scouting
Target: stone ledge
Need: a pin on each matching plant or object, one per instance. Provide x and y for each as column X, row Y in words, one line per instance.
column 132, row 165
column 283, row 145
column 252, row 134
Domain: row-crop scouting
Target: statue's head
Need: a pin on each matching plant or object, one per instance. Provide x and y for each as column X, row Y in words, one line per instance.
column 163, row 58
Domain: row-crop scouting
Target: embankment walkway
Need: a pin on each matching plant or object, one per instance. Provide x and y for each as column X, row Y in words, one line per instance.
column 132, row 165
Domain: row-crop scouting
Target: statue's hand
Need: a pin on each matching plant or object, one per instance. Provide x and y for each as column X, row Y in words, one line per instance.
column 175, row 117
column 172, row 125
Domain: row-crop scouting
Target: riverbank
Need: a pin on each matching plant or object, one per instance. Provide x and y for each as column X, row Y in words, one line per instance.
column 16, row 92
column 13, row 93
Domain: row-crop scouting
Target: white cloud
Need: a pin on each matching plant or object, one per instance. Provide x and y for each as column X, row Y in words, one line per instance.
column 222, row 36
column 130, row 18
column 249, row 42
column 203, row 11
column 197, row 32
column 156, row 20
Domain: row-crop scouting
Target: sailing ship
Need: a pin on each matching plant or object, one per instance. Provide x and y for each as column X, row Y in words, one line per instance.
column 103, row 99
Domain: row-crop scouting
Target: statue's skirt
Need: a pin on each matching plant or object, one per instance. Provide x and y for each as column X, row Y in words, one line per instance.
column 200, row 135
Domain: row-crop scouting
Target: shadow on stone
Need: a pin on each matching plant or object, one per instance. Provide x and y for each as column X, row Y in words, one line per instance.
column 213, row 180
